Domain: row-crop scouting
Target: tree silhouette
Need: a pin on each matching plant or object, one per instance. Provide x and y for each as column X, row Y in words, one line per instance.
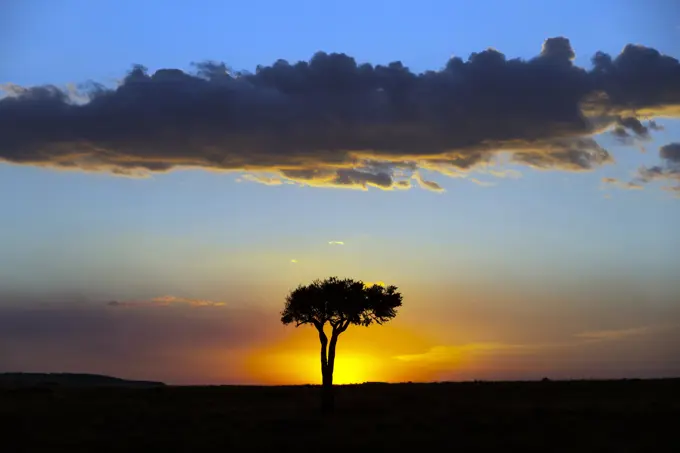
column 338, row 302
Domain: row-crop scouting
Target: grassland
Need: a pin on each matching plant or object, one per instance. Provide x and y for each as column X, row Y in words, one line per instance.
column 629, row 415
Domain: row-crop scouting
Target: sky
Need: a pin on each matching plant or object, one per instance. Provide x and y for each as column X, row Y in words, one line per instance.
column 170, row 170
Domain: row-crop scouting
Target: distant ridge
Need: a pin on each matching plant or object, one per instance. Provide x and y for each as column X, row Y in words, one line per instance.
column 70, row 380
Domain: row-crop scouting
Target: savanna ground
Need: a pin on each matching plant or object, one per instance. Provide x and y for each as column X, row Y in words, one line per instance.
column 631, row 415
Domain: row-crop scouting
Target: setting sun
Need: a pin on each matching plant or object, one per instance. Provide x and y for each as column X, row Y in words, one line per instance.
column 349, row 369
column 354, row 369
column 304, row 368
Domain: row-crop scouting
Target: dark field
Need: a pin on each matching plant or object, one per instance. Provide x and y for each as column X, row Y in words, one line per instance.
column 547, row 416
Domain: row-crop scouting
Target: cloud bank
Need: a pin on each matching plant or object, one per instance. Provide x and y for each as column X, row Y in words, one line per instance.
column 334, row 122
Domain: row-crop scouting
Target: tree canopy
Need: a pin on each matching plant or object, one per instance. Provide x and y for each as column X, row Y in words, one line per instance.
column 340, row 302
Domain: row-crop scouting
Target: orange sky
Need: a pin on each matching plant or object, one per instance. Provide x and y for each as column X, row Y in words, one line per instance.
column 364, row 354
column 442, row 334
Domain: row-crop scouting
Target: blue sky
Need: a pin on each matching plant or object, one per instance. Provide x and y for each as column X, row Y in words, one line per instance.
column 204, row 234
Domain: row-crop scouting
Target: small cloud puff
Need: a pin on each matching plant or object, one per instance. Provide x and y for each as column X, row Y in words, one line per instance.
column 622, row 185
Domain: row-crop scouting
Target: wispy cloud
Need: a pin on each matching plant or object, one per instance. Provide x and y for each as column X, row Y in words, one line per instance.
column 451, row 170
column 617, row 334
column 482, row 183
column 448, row 354
column 262, row 179
column 426, row 184
column 336, row 242
column 508, row 173
column 165, row 301
column 621, row 184
column 675, row 190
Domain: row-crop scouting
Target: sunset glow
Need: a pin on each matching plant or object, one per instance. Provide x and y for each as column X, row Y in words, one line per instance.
column 350, row 368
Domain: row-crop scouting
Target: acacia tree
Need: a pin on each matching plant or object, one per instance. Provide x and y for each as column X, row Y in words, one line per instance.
column 338, row 302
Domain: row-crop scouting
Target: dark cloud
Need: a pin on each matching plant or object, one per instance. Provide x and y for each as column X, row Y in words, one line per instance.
column 575, row 154
column 668, row 170
column 639, row 80
column 332, row 121
column 639, row 131
column 654, row 126
column 622, row 134
column 671, row 153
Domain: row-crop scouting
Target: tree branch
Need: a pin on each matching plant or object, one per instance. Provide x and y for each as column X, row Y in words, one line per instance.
column 340, row 325
column 344, row 326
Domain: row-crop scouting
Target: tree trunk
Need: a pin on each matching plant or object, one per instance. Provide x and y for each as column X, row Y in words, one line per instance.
column 328, row 396
column 327, row 402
